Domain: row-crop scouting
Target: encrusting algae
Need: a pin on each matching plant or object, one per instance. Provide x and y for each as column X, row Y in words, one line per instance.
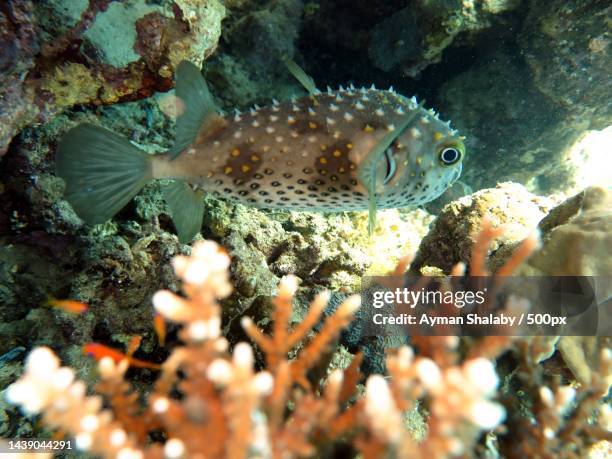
column 210, row 402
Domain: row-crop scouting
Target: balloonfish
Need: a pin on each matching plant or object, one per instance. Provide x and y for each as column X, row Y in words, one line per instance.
column 334, row 150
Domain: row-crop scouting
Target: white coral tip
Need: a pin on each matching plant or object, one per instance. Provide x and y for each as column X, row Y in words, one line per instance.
column 263, row 383
column 486, row 414
column 481, row 373
column 220, row 372
column 288, row 285
column 243, row 356
column 42, row 362
column 429, row 373
column 174, row 448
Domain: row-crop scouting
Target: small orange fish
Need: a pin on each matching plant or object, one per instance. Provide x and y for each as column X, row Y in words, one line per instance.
column 71, row 306
column 159, row 325
column 98, row 351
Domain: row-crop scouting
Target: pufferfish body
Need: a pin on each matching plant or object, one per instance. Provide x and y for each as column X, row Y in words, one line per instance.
column 348, row 149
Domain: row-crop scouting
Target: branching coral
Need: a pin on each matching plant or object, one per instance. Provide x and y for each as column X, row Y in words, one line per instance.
column 209, row 402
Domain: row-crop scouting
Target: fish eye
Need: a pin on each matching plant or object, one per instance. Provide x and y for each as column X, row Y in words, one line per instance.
column 450, row 155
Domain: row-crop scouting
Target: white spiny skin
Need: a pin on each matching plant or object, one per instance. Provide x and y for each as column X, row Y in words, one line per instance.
column 305, row 154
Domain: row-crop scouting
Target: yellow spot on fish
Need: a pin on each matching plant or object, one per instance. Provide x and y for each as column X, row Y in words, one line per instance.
column 323, row 147
column 245, row 168
column 322, row 171
column 412, row 174
column 352, row 167
column 228, row 170
column 419, row 160
column 337, row 153
column 368, row 128
column 255, row 158
column 323, row 160
column 290, row 120
column 312, row 125
column 290, row 163
column 437, row 136
column 349, row 145
column 342, row 170
column 235, row 152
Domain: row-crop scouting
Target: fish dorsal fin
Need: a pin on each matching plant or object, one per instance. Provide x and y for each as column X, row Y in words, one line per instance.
column 305, row 80
column 197, row 112
column 368, row 169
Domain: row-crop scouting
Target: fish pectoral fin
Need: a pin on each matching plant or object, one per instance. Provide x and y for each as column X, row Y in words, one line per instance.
column 186, row 208
column 372, row 206
column 369, row 169
column 197, row 112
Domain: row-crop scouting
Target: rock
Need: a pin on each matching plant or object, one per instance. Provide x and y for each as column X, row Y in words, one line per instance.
column 566, row 44
column 452, row 236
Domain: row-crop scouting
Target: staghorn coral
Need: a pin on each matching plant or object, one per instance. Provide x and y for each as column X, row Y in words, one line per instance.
column 211, row 402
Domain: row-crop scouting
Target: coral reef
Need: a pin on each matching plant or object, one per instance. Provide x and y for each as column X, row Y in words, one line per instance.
column 111, row 52
column 574, row 235
column 236, row 410
column 226, row 408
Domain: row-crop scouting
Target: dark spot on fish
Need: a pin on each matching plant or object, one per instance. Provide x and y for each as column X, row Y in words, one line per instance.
column 319, row 182
column 302, row 182
column 280, row 192
column 298, row 192
column 268, row 171
column 275, row 184
column 312, row 188
column 307, row 170
column 257, row 176
column 254, row 186
column 218, row 182
column 243, row 192
column 263, row 193
column 287, row 175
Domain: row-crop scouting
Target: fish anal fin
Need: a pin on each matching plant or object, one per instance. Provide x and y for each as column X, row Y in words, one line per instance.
column 186, row 208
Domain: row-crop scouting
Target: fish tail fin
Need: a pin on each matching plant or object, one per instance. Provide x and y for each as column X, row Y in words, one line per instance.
column 102, row 170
